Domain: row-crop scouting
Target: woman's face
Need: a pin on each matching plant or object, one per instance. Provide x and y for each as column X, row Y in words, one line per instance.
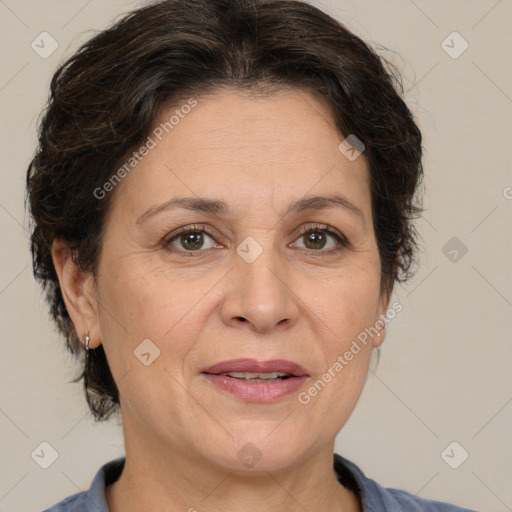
column 244, row 284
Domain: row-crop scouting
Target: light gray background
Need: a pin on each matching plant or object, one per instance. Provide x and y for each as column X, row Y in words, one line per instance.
column 445, row 368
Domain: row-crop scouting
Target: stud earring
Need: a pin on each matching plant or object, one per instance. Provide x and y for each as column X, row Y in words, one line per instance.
column 86, row 339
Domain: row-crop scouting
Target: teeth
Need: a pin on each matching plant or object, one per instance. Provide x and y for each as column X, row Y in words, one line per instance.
column 254, row 376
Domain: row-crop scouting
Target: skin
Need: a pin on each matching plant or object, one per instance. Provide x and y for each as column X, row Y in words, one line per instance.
column 182, row 434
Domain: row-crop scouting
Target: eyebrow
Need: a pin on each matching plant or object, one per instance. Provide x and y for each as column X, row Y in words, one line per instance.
column 218, row 207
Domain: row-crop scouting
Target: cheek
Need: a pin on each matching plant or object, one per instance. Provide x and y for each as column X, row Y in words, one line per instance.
column 345, row 353
column 152, row 304
column 341, row 313
column 346, row 306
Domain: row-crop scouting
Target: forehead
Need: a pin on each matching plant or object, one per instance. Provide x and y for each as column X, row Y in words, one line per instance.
column 249, row 150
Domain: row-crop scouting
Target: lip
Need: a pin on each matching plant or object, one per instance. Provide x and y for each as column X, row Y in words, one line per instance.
column 254, row 366
column 259, row 392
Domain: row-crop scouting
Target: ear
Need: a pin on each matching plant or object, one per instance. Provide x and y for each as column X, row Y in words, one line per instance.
column 382, row 309
column 79, row 293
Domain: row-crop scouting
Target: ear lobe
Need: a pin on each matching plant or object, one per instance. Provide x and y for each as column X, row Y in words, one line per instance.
column 78, row 291
column 379, row 338
column 380, row 325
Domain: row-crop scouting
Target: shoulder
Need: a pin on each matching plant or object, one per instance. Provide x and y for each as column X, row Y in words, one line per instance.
column 73, row 502
column 94, row 499
column 376, row 498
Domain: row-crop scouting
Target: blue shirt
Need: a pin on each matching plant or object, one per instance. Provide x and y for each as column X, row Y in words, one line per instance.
column 373, row 497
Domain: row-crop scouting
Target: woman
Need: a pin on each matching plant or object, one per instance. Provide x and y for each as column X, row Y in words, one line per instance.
column 222, row 201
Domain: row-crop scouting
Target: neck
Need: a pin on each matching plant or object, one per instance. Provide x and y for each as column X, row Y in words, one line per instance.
column 158, row 479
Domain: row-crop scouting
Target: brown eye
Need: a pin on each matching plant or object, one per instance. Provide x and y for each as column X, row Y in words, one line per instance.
column 190, row 240
column 321, row 239
column 315, row 240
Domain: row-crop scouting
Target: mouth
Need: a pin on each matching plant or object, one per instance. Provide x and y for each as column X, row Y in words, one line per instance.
column 255, row 381
column 253, row 369
column 257, row 377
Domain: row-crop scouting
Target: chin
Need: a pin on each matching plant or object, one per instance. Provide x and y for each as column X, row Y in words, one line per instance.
column 259, row 453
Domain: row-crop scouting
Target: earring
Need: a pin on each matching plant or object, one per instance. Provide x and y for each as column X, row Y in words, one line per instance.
column 86, row 339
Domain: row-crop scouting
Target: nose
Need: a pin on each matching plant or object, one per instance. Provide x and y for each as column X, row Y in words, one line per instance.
column 260, row 295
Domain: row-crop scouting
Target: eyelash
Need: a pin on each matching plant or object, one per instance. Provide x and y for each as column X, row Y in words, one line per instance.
column 343, row 242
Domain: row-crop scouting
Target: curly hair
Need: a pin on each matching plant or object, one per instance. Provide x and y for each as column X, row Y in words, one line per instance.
column 105, row 98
